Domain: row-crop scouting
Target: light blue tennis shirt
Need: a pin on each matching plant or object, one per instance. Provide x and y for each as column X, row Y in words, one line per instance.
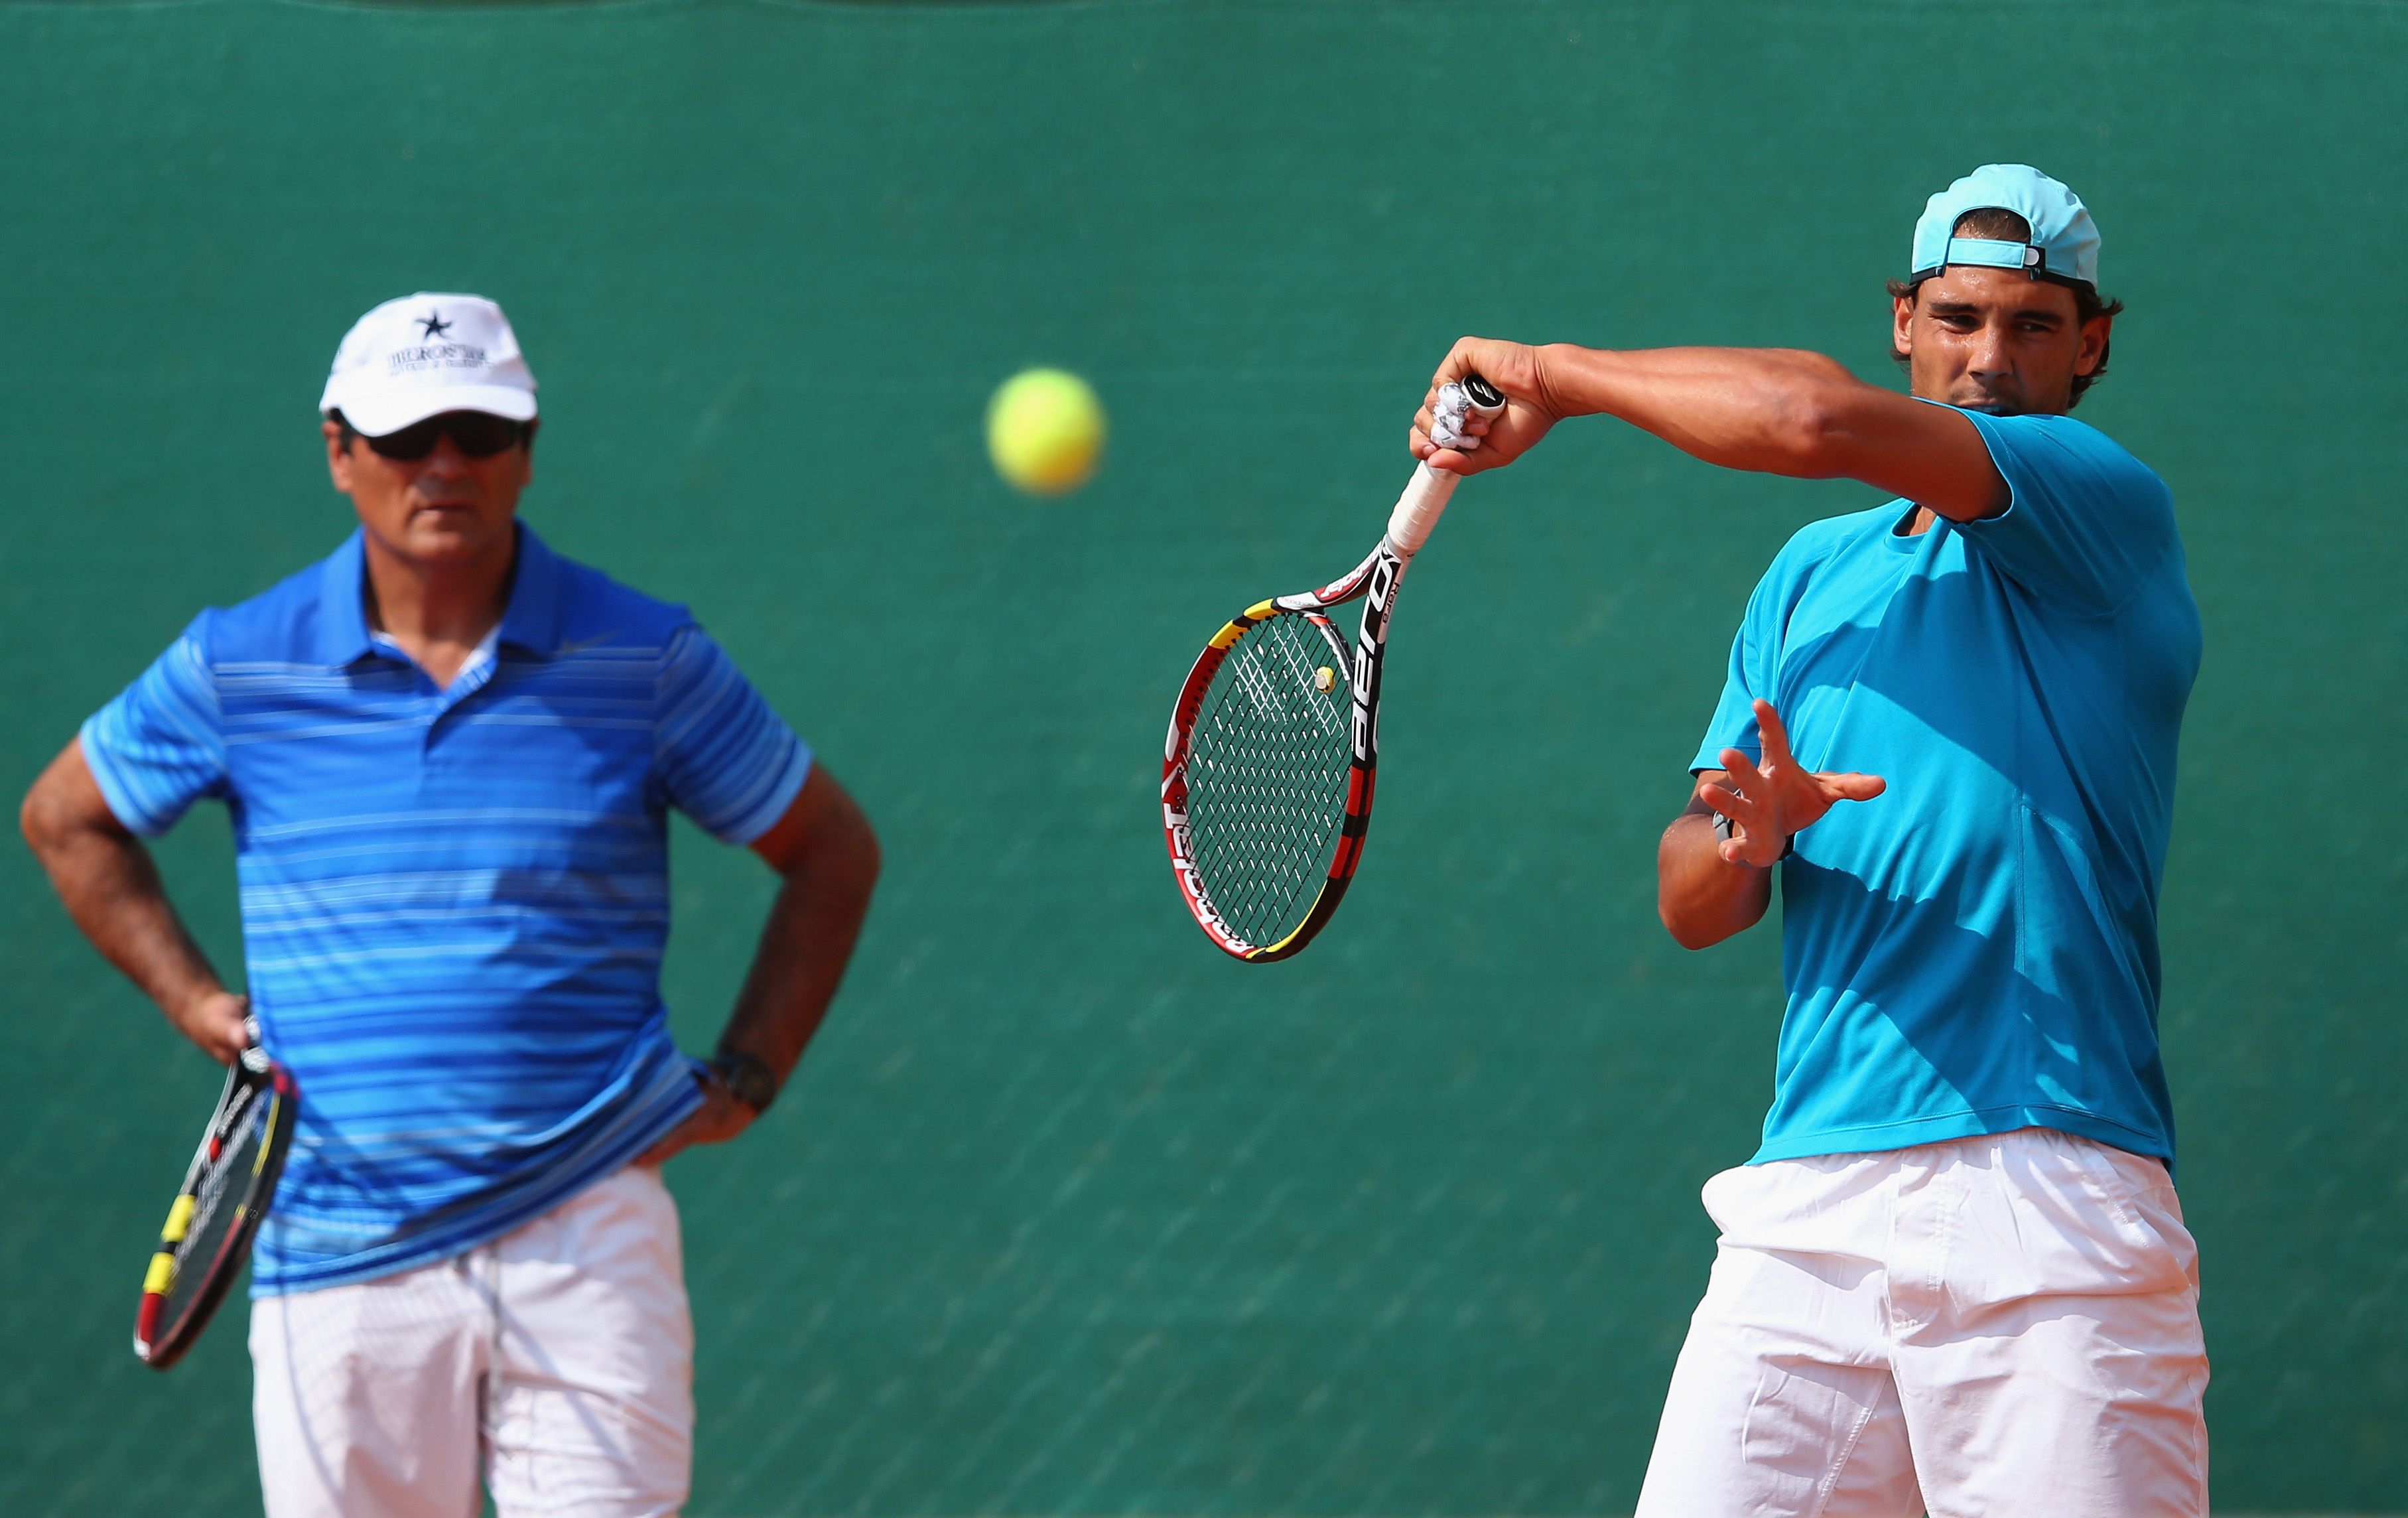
column 454, row 901
column 1976, row 950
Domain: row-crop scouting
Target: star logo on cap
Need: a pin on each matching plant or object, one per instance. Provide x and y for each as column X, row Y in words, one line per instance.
column 434, row 324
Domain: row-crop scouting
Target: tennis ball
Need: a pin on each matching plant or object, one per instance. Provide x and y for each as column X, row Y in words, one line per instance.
column 1045, row 431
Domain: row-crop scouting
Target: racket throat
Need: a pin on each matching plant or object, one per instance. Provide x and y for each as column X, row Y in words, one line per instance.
column 1388, row 577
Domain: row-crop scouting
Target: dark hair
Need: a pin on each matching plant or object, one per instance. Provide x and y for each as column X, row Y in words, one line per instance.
column 2006, row 226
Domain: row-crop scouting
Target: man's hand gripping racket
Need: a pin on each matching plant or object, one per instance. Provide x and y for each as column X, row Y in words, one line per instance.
column 1266, row 775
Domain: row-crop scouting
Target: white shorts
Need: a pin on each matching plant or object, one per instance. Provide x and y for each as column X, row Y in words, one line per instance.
column 559, row 1357
column 2004, row 1327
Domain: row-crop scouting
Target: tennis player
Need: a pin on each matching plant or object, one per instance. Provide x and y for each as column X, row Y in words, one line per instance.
column 448, row 755
column 1956, row 1273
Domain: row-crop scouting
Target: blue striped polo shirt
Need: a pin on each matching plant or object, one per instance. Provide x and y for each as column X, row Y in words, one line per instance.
column 454, row 902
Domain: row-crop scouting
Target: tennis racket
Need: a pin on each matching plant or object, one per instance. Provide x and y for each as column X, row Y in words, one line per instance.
column 1267, row 774
column 226, row 1193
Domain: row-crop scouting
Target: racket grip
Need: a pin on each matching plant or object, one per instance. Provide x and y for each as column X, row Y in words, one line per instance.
column 1426, row 496
column 1419, row 508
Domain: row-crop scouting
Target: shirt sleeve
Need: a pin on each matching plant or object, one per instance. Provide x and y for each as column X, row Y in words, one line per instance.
column 160, row 747
column 1755, row 666
column 2086, row 521
column 725, row 758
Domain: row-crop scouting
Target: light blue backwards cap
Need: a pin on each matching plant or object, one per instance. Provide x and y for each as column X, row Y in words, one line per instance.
column 2064, row 244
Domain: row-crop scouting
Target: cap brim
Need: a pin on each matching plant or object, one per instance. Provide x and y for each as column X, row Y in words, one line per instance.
column 394, row 410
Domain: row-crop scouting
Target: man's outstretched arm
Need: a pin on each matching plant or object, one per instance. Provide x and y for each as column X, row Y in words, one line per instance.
column 827, row 856
column 1768, row 410
column 111, row 888
column 1707, row 888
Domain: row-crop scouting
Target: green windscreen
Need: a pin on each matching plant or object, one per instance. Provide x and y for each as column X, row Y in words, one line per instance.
column 1067, row 1214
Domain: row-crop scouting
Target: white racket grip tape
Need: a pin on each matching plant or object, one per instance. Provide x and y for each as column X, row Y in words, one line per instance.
column 1425, row 495
column 1419, row 508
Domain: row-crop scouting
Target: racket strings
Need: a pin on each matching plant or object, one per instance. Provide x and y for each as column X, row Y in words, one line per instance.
column 216, row 1206
column 1267, row 774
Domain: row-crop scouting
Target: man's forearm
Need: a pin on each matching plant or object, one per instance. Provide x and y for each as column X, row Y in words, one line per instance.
column 111, row 888
column 1757, row 408
column 805, row 945
column 1702, row 897
column 1783, row 411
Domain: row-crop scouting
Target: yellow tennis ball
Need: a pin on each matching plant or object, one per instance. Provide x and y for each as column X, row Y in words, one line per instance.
column 1045, row 431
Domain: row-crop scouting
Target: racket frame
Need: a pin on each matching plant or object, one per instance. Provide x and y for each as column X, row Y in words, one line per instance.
column 1375, row 579
column 252, row 1079
column 1375, row 582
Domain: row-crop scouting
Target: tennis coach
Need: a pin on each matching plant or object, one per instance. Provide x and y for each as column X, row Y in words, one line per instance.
column 448, row 755
column 1956, row 1273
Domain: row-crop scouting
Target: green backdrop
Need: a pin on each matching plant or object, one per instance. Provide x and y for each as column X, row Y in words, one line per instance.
column 1068, row 1214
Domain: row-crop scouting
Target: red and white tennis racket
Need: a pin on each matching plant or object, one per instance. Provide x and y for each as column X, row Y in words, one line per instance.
column 226, row 1192
column 1266, row 775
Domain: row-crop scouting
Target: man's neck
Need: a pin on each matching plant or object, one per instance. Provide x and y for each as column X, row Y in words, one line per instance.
column 437, row 612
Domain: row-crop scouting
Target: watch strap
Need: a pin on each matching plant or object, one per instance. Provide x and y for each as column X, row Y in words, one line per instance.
column 1725, row 830
column 747, row 1078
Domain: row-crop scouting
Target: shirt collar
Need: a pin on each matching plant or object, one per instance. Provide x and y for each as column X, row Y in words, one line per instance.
column 531, row 620
column 342, row 613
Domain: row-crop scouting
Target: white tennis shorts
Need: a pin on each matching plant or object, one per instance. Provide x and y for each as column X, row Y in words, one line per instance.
column 559, row 1358
column 2005, row 1326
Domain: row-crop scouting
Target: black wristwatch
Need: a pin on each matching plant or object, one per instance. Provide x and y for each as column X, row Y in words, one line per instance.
column 746, row 1077
column 1723, row 829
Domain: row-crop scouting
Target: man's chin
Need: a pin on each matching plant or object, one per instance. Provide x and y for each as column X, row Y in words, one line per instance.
column 437, row 537
column 1989, row 405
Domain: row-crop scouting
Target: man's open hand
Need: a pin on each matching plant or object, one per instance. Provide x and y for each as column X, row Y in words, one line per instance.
column 1772, row 798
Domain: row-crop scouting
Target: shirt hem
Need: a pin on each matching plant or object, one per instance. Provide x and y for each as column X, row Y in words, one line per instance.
column 1879, row 1138
column 112, row 789
column 608, row 1162
column 1711, row 756
column 773, row 808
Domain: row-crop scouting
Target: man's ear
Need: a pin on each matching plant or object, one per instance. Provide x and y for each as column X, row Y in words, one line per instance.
column 2095, row 334
column 1901, row 323
column 338, row 456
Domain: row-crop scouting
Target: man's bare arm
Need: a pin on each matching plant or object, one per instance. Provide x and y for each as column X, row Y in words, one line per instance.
column 1702, row 887
column 1702, row 897
column 825, row 848
column 111, row 888
column 825, row 851
column 1770, row 410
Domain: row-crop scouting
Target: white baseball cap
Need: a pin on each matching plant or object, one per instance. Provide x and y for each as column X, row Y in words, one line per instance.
column 425, row 354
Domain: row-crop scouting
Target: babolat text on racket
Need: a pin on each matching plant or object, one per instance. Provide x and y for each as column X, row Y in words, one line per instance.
column 226, row 1192
column 1266, row 775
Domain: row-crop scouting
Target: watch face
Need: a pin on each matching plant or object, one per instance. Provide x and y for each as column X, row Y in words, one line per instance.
column 747, row 1080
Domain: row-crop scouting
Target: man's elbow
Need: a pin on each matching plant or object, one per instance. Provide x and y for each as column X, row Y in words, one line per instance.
column 64, row 803
column 1688, row 931
column 846, row 852
column 33, row 820
column 869, row 858
column 46, row 816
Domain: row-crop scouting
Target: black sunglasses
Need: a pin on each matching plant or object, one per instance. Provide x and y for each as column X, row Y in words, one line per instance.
column 479, row 434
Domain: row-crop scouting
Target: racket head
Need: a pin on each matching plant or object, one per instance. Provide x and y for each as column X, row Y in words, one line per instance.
column 1266, row 779
column 217, row 1211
